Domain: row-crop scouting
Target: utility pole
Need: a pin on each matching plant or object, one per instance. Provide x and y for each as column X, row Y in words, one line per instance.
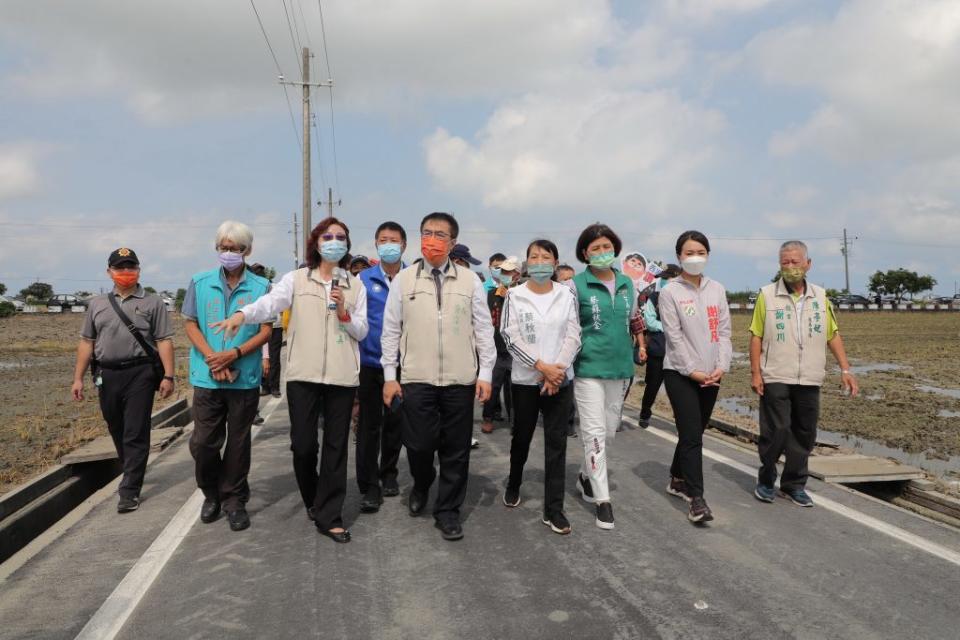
column 296, row 242
column 305, row 84
column 845, row 250
column 329, row 203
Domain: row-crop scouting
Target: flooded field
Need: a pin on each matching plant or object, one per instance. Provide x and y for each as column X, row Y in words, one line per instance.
column 39, row 422
column 908, row 366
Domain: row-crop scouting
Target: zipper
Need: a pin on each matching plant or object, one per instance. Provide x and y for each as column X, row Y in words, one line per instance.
column 439, row 329
column 326, row 339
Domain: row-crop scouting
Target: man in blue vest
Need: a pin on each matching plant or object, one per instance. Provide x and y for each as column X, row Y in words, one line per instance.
column 225, row 373
column 378, row 435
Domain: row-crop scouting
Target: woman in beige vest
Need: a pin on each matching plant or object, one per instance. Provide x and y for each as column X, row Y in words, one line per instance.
column 328, row 319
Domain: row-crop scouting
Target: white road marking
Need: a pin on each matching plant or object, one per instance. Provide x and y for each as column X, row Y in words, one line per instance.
column 109, row 619
column 869, row 521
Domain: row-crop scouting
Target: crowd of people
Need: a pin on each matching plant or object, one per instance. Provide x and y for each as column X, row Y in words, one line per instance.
column 419, row 344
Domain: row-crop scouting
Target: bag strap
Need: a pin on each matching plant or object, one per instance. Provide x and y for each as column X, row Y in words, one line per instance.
column 147, row 349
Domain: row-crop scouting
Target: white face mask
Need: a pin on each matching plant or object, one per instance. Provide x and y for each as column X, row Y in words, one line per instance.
column 694, row 265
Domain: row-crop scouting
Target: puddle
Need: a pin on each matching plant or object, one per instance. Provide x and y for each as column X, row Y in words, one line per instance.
column 872, row 367
column 738, row 406
column 946, row 413
column 874, row 396
column 950, row 393
column 870, row 448
column 6, row 366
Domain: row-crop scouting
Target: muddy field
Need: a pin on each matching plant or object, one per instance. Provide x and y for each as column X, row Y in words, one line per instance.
column 39, row 422
column 908, row 366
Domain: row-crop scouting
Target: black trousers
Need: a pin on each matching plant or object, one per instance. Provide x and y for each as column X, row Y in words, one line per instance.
column 788, row 426
column 652, row 380
column 378, row 436
column 692, row 406
column 272, row 381
column 500, row 382
column 126, row 401
column 527, row 405
column 326, row 490
column 439, row 420
column 223, row 415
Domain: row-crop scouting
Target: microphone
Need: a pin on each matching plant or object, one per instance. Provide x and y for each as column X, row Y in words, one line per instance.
column 334, row 284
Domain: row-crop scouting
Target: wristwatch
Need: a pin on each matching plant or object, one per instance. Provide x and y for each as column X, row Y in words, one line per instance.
column 170, row 378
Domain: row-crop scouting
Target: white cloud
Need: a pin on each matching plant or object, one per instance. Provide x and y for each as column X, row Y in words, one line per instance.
column 886, row 70
column 704, row 10
column 18, row 171
column 614, row 151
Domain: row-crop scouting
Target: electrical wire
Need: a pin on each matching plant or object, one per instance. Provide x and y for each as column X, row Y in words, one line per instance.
column 286, row 94
column 333, row 128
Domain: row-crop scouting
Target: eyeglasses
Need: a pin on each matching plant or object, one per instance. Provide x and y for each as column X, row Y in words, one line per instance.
column 439, row 235
column 231, row 249
column 327, row 237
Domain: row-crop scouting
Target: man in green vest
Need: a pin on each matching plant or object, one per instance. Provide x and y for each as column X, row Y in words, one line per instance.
column 793, row 326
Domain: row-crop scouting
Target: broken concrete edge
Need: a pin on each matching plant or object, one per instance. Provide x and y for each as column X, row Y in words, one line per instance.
column 168, row 412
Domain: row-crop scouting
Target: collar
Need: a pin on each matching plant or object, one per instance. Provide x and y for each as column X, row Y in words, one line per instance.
column 593, row 279
column 223, row 277
column 342, row 275
column 704, row 280
column 449, row 269
column 784, row 290
column 139, row 292
column 383, row 274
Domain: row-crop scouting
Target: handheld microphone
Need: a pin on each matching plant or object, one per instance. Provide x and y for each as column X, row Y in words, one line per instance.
column 334, row 284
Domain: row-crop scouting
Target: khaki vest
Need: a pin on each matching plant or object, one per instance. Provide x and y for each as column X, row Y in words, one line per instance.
column 318, row 348
column 437, row 344
column 792, row 354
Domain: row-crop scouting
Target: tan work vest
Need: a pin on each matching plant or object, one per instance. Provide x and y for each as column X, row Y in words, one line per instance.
column 794, row 341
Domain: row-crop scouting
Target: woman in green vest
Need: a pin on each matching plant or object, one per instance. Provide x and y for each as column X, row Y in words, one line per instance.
column 603, row 369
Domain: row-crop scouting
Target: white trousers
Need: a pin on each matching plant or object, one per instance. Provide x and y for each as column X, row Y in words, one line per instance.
column 600, row 405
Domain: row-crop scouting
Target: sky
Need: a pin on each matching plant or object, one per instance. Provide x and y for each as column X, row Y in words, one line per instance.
column 755, row 121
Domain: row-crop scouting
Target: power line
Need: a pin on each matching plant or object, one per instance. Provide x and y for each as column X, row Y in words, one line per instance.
column 139, row 225
column 286, row 94
column 306, row 26
column 294, row 42
column 333, row 130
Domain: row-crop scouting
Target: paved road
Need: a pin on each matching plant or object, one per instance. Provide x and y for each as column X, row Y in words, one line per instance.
column 758, row 570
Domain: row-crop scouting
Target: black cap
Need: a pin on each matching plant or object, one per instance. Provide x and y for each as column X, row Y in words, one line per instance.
column 121, row 255
column 462, row 252
column 363, row 259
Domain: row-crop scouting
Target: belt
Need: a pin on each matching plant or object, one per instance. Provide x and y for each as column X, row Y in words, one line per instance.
column 125, row 364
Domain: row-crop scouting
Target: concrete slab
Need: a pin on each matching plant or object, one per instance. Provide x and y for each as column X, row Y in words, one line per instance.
column 851, row 468
column 102, row 448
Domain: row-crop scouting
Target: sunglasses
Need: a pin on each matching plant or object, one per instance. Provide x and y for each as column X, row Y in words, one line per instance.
column 333, row 236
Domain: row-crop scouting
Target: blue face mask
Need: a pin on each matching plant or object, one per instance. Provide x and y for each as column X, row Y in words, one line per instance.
column 333, row 250
column 495, row 273
column 602, row 260
column 390, row 252
column 540, row 272
column 505, row 279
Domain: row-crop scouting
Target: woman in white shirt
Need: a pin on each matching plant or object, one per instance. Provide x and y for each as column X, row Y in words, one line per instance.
column 328, row 318
column 541, row 327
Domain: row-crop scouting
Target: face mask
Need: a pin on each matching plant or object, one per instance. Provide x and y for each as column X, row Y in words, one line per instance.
column 434, row 249
column 495, row 273
column 602, row 260
column 792, row 275
column 333, row 250
column 505, row 279
column 230, row 260
column 540, row 272
column 694, row 265
column 390, row 252
column 125, row 279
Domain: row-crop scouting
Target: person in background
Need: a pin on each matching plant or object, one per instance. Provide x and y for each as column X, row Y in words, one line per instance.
column 358, row 264
column 793, row 326
column 508, row 277
column 443, row 377
column 656, row 346
column 696, row 326
column 540, row 325
column 461, row 256
column 124, row 372
column 261, row 271
column 493, row 263
column 328, row 318
column 225, row 372
column 378, row 437
column 606, row 302
column 565, row 273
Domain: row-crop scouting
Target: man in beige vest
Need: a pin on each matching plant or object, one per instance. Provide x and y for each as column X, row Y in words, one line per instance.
column 793, row 326
column 437, row 329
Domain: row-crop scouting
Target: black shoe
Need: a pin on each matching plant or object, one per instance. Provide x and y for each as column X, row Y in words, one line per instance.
column 371, row 501
column 511, row 497
column 449, row 530
column 643, row 422
column 604, row 515
column 498, row 417
column 699, row 511
column 312, row 513
column 258, row 419
column 126, row 505
column 276, row 393
column 239, row 520
column 558, row 523
column 342, row 537
column 391, row 489
column 417, row 502
column 586, row 490
column 210, row 511
column 264, row 391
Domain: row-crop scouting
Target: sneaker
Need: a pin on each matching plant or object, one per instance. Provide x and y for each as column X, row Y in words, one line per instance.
column 126, row 505
column 276, row 393
column 487, row 426
column 258, row 419
column 643, row 422
column 764, row 493
column 586, row 491
column 557, row 522
column 474, row 443
column 678, row 488
column 798, row 497
column 699, row 511
column 511, row 497
column 604, row 515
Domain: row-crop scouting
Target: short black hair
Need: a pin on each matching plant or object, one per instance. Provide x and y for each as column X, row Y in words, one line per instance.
column 591, row 233
column 696, row 236
column 563, row 266
column 446, row 217
column 497, row 256
column 390, row 226
column 546, row 245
